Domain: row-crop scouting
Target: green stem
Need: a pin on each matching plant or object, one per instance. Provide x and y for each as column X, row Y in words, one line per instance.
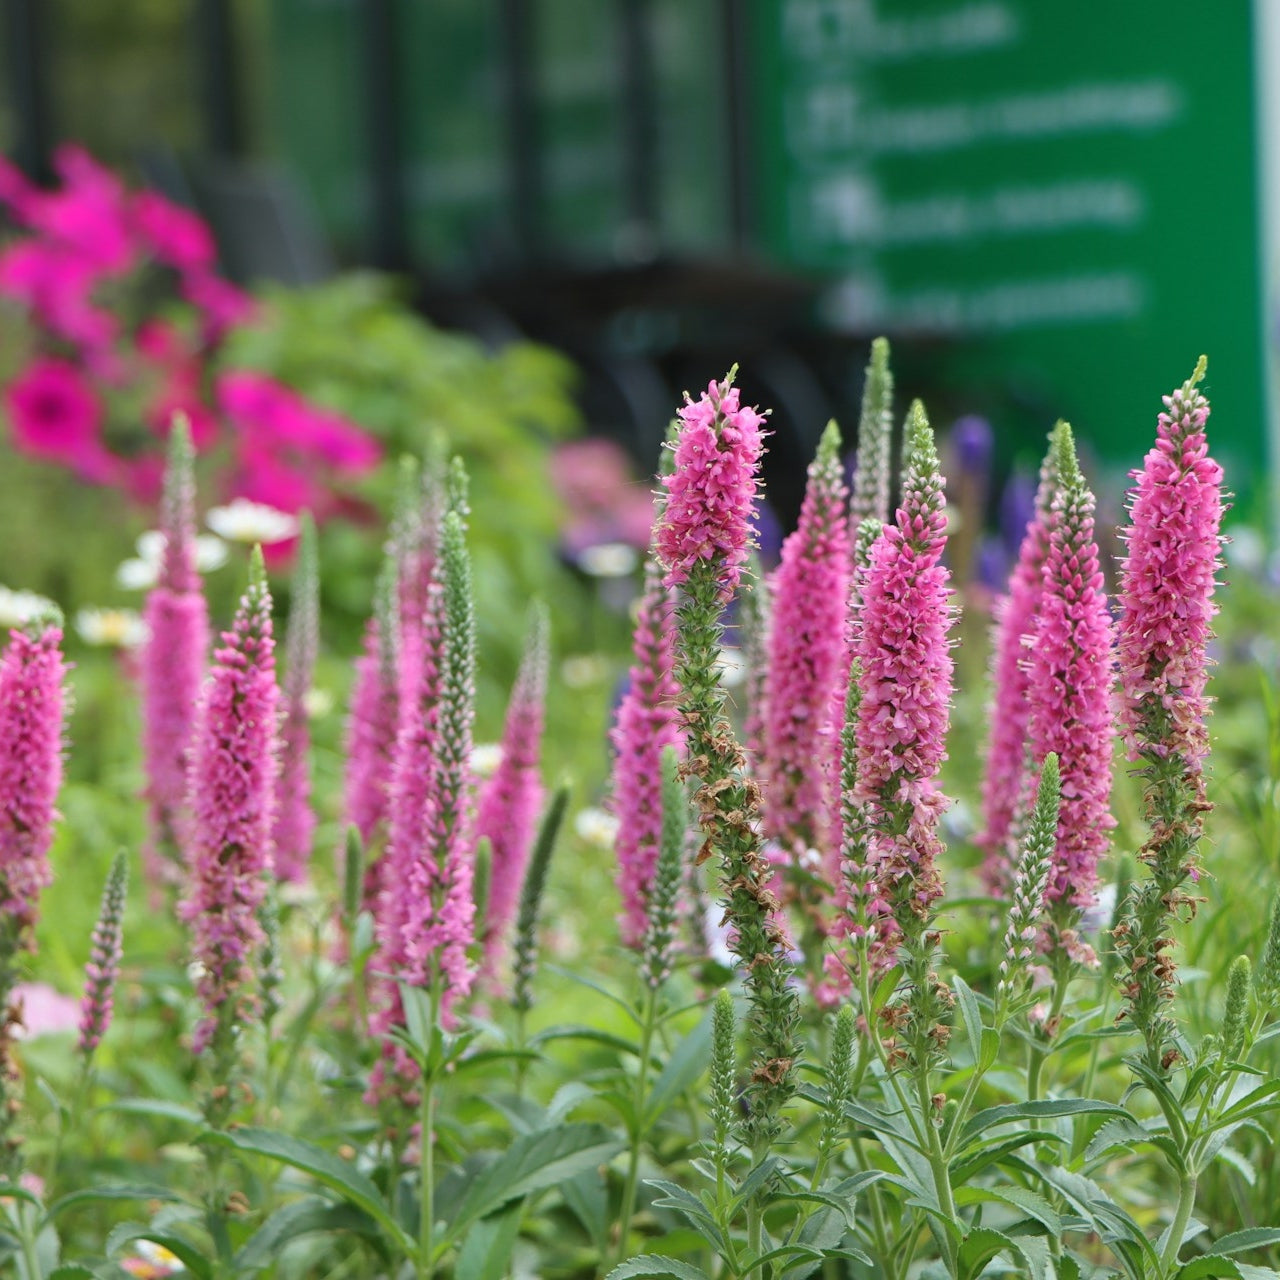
column 71, row 1124
column 25, row 1217
column 1036, row 1061
column 638, row 1128
column 427, row 1180
column 938, row 1163
column 1186, row 1202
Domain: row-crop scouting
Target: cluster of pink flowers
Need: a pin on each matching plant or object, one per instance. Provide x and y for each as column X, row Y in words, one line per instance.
column 172, row 664
column 808, row 663
column 905, row 683
column 1168, row 580
column 711, row 492
column 647, row 722
column 510, row 801
column 32, row 705
column 1004, row 786
column 232, row 779
column 1069, row 684
column 85, row 363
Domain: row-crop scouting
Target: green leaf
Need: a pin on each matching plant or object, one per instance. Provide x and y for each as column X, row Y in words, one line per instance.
column 978, row 1248
column 331, row 1171
column 143, row 1192
column 532, row 1163
column 606, row 1038
column 1036, row 1207
column 990, row 1049
column 1209, row 1265
column 486, row 1252
column 156, row 1107
column 651, row 1265
column 190, row 1257
column 301, row 1217
column 970, row 1013
column 1250, row 1238
column 588, row 1199
column 1042, row 1109
column 685, row 1066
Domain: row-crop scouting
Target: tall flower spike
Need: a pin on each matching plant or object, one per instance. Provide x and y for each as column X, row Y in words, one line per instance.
column 904, row 654
column 512, row 798
column 172, row 665
column 295, row 818
column 755, row 618
column 647, row 723
column 1069, row 686
column 439, row 912
column 807, row 664
column 703, row 541
column 1004, row 785
column 525, row 949
column 660, row 929
column 371, row 728
column 104, row 959
column 870, row 499
column 1167, row 583
column 233, row 788
column 32, row 706
column 1022, row 931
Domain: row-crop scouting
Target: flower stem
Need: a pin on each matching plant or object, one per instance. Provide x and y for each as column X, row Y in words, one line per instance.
column 1182, row 1215
column 638, row 1128
column 426, row 1210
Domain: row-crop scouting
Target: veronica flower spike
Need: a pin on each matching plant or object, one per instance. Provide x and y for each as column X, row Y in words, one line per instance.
column 870, row 499
column 172, row 663
column 703, row 541
column 905, row 679
column 1167, row 585
column 647, row 723
column 233, row 790
column 1005, row 782
column 295, row 818
column 512, row 798
column 808, row 663
column 1070, row 677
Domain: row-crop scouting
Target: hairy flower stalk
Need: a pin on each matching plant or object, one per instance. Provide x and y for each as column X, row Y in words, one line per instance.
column 647, row 723
column 870, row 498
column 525, row 948
column 1030, row 881
column 232, row 781
column 1004, row 787
column 171, row 666
column 512, row 798
column 1167, row 585
column 905, row 682
column 437, row 925
column 295, row 818
column 32, row 708
column 807, row 663
column 703, row 543
column 372, row 726
column 658, row 949
column 106, row 948
column 1069, row 689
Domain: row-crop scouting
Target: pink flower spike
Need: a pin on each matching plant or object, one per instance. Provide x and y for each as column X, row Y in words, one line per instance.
column 711, row 491
column 905, row 684
column 172, row 663
column 1070, row 674
column 295, row 818
column 1005, row 786
column 648, row 721
column 32, row 707
column 511, row 799
column 104, row 960
column 232, row 780
column 807, row 666
column 1167, row 582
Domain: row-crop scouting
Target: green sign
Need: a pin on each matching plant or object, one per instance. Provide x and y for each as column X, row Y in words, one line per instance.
column 1064, row 194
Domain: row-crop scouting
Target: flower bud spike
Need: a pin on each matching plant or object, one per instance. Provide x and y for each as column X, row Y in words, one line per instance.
column 1235, row 1017
column 535, row 882
column 104, row 959
column 660, row 935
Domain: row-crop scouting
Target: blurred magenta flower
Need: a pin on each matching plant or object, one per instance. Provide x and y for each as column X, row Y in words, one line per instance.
column 55, row 414
column 175, row 235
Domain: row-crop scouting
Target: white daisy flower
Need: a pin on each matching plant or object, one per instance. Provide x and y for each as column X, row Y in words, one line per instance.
column 485, row 759
column 17, row 608
column 609, row 560
column 245, row 521
column 111, row 628
column 596, row 827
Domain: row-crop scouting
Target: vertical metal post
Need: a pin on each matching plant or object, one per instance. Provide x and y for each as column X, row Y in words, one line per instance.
column 639, row 116
column 28, row 70
column 733, row 21
column 216, row 59
column 518, row 43
column 390, row 248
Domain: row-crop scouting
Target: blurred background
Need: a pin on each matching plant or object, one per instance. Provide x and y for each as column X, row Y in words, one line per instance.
column 1051, row 209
